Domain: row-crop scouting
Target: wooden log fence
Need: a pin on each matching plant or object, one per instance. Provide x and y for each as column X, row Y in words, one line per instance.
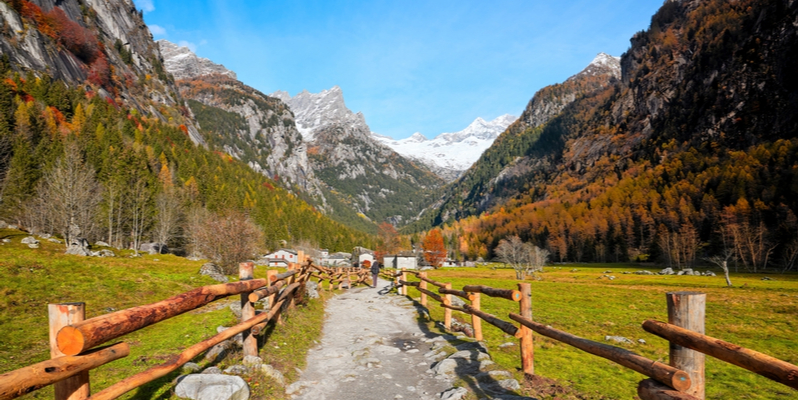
column 682, row 379
column 74, row 340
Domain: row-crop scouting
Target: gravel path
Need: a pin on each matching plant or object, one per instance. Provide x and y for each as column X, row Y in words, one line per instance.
column 373, row 348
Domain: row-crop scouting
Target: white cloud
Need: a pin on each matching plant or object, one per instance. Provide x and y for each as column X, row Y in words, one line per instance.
column 157, row 30
column 190, row 45
column 146, row 5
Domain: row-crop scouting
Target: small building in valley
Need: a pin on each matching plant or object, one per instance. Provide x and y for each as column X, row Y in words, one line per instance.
column 407, row 260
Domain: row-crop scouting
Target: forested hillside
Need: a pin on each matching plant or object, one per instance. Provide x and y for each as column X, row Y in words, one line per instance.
column 693, row 152
column 116, row 158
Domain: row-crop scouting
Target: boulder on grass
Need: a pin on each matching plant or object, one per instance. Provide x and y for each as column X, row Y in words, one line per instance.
column 30, row 240
column 79, row 247
column 154, row 248
column 214, row 271
column 212, row 387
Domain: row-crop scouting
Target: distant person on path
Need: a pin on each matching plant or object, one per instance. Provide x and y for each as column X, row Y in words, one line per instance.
column 375, row 268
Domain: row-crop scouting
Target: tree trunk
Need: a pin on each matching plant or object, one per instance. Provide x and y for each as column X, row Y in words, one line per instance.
column 725, row 270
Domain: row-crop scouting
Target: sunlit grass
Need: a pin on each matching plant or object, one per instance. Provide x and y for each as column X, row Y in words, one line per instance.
column 757, row 314
column 32, row 278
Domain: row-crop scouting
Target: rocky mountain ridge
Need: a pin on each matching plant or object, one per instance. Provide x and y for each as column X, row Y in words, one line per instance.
column 365, row 174
column 183, row 63
column 450, row 154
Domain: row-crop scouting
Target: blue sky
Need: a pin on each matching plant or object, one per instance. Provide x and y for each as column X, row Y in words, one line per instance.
column 409, row 66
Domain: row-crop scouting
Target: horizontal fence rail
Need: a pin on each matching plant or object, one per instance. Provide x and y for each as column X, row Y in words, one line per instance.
column 682, row 379
column 72, row 338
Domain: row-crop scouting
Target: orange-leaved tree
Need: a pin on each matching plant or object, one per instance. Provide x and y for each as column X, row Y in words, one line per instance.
column 388, row 241
column 433, row 248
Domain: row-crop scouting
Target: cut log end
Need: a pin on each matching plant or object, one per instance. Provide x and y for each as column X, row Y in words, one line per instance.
column 681, row 381
column 70, row 341
column 516, row 295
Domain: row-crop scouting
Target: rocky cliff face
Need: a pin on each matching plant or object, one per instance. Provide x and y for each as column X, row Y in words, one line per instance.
column 364, row 174
column 182, row 63
column 114, row 48
column 252, row 127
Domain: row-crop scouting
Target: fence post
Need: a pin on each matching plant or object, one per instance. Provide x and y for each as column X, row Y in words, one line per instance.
column 61, row 315
column 526, row 341
column 476, row 320
column 688, row 310
column 271, row 298
column 405, row 279
column 448, row 313
column 250, row 346
column 423, row 298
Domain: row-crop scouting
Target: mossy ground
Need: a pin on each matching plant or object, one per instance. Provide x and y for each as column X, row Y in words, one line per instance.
column 757, row 314
column 32, row 278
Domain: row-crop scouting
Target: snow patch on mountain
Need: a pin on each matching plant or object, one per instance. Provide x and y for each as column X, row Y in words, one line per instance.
column 450, row 154
column 182, row 63
column 313, row 111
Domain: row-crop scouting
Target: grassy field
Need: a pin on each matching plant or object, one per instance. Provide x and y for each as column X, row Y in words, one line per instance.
column 757, row 314
column 32, row 278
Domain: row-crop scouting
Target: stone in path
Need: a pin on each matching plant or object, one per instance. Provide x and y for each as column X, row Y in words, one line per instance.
column 368, row 352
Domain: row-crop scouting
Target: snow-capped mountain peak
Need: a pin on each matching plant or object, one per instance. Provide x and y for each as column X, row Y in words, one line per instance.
column 602, row 64
column 450, row 154
column 315, row 110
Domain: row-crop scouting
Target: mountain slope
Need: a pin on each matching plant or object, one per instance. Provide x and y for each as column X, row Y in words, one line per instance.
column 696, row 143
column 360, row 172
column 182, row 63
column 116, row 112
column 450, row 154
column 487, row 182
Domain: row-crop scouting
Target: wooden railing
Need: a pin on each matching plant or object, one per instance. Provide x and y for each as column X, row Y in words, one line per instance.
column 683, row 378
column 73, row 339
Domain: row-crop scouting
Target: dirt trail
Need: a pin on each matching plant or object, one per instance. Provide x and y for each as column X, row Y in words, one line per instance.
column 372, row 348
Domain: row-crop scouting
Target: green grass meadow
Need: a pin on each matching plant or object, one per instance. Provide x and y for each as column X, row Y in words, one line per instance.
column 32, row 278
column 755, row 313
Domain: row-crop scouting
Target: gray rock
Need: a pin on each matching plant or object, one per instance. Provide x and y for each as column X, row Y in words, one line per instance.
column 54, row 240
column 79, row 247
column 3, row 224
column 643, row 272
column 311, row 289
column 709, row 273
column 446, row 366
column 666, row 271
column 509, row 384
column 104, row 253
column 12, row 226
column 154, row 248
column 470, row 355
column 641, row 341
column 236, row 308
column 214, row 271
column 34, row 245
column 101, row 243
column 297, row 386
column 212, row 371
column 273, row 373
column 6, row 240
column 190, row 368
column 217, row 353
column 237, row 369
column 251, row 361
column 237, row 339
column 618, row 339
column 766, row 278
column 507, row 344
column 453, row 394
column 212, row 387
column 45, row 236
column 30, row 240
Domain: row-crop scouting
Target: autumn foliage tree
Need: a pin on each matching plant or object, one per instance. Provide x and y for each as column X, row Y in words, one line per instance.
column 388, row 240
column 433, row 248
column 228, row 238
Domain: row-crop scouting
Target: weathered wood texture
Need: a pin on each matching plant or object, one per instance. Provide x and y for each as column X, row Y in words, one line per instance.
column 651, row 390
column 268, row 291
column 249, row 342
column 663, row 373
column 460, row 293
column 34, row 377
column 406, row 283
column 432, row 295
column 509, row 294
column 476, row 320
column 423, row 285
column 59, row 316
column 504, row 326
column 688, row 310
column 526, row 339
column 431, row 281
column 284, row 275
column 448, row 313
column 760, row 363
column 77, row 338
column 175, row 362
